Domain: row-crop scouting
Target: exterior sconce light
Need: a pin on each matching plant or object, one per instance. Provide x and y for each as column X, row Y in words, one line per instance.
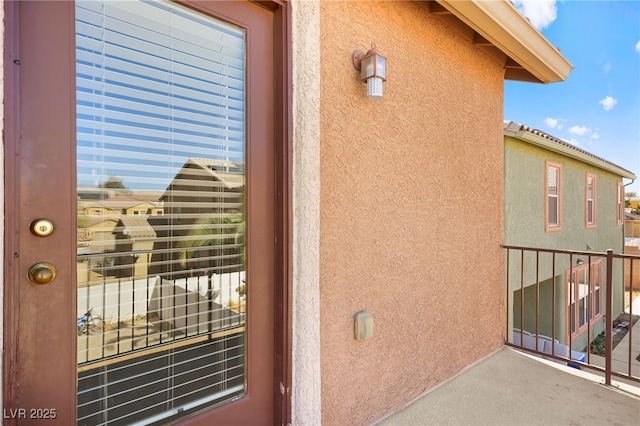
column 579, row 261
column 373, row 70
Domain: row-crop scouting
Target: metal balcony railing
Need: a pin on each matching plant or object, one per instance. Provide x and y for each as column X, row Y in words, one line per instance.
column 575, row 307
column 135, row 307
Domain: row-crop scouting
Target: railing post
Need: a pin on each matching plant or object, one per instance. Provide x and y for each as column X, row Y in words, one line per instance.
column 507, row 269
column 609, row 319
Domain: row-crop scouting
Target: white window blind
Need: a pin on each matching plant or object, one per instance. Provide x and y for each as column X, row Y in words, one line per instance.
column 161, row 181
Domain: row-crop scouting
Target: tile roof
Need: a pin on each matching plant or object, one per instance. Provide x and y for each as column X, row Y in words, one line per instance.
column 230, row 174
column 121, row 204
column 220, row 169
column 510, row 126
column 138, row 227
column 141, row 196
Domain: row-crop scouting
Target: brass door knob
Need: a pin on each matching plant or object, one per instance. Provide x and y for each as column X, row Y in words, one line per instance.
column 42, row 273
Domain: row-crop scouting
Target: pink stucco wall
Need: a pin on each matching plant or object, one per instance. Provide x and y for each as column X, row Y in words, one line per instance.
column 410, row 208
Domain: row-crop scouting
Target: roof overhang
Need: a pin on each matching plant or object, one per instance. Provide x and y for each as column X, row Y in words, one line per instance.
column 499, row 29
column 566, row 149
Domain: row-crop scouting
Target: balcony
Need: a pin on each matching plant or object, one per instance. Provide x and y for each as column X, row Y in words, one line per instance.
column 588, row 374
column 512, row 388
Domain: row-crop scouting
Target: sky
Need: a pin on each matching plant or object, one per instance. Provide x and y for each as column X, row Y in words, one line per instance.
column 597, row 107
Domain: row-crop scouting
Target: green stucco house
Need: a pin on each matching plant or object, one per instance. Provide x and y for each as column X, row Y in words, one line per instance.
column 558, row 196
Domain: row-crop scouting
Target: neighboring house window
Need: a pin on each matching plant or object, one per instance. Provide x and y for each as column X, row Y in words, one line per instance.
column 590, row 201
column 596, row 274
column 620, row 207
column 584, row 298
column 553, row 197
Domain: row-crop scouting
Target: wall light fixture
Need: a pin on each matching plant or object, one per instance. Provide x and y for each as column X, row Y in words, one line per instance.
column 373, row 70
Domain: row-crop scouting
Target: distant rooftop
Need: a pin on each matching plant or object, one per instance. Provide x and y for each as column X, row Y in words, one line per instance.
column 517, row 130
column 136, row 227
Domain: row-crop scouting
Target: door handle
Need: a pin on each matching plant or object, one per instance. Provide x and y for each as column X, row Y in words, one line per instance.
column 42, row 273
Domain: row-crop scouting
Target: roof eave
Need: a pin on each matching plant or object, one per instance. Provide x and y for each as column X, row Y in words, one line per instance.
column 503, row 25
column 570, row 152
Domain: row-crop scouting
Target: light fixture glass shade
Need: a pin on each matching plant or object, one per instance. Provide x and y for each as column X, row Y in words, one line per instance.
column 374, row 87
column 381, row 67
column 373, row 70
column 373, row 65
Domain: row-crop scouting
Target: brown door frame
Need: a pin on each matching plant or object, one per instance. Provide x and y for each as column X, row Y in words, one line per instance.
column 284, row 211
column 29, row 386
column 10, row 94
column 14, row 374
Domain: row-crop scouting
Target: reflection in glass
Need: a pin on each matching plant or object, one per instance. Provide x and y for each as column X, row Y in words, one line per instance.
column 161, row 202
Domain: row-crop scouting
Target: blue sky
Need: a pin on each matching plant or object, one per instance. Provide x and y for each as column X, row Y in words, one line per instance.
column 598, row 106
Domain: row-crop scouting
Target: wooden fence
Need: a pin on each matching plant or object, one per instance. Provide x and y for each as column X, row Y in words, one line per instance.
column 632, row 228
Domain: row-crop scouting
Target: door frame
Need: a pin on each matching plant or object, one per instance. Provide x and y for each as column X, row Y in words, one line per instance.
column 283, row 226
column 24, row 375
column 283, row 292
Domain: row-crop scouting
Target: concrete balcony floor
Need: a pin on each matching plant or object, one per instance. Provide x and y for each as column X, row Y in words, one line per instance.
column 513, row 388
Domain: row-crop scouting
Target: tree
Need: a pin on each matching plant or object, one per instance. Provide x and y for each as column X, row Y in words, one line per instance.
column 628, row 196
column 114, row 182
column 214, row 241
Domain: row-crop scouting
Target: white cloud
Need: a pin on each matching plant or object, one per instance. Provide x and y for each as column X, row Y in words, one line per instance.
column 606, row 68
column 551, row 122
column 595, row 135
column 541, row 13
column 638, row 47
column 574, row 142
column 579, row 130
column 608, row 102
column 554, row 123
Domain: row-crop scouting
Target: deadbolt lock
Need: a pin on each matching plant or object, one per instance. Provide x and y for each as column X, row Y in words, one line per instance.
column 42, row 273
column 42, row 227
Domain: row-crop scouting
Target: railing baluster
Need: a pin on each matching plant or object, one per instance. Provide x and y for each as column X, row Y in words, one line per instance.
column 522, row 298
column 630, row 314
column 133, row 309
column 104, row 303
column 609, row 320
column 146, row 338
column 589, row 308
column 537, row 299
column 553, row 304
column 118, row 311
column 589, row 302
column 576, row 290
column 508, row 296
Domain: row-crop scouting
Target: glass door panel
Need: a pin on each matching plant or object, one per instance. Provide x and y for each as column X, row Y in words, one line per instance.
column 161, row 192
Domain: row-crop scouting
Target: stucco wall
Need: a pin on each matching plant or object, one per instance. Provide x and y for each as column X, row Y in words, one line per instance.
column 525, row 181
column 398, row 235
column 305, row 52
column 524, row 209
column 524, row 206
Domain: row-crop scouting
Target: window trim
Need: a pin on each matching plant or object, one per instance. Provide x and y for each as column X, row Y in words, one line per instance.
column 548, row 226
column 592, row 315
column 591, row 224
column 620, row 204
